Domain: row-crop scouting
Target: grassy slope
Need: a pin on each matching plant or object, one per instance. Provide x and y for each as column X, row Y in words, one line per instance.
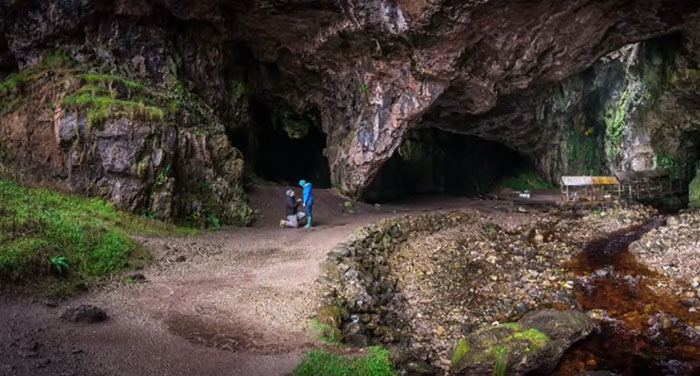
column 37, row 225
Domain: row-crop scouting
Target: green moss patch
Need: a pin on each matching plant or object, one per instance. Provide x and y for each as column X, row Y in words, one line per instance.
column 97, row 95
column 498, row 345
column 99, row 108
column 615, row 119
column 66, row 240
column 326, row 332
column 461, row 349
column 322, row 363
column 525, row 180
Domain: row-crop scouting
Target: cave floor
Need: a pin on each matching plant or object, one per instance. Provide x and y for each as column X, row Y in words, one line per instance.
column 235, row 301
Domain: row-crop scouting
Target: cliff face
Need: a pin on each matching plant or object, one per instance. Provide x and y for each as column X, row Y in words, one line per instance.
column 522, row 73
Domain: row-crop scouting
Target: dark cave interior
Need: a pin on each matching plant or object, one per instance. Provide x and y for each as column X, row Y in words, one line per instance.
column 431, row 161
column 285, row 147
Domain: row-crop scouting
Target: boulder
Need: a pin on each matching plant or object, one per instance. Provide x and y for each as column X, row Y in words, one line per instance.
column 564, row 328
column 535, row 343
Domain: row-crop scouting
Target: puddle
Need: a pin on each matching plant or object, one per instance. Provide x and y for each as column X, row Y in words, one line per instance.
column 210, row 334
column 645, row 332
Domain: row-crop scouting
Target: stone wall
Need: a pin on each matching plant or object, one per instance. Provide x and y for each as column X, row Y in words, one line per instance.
column 359, row 282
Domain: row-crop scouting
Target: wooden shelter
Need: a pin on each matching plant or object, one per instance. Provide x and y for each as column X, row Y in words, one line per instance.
column 592, row 189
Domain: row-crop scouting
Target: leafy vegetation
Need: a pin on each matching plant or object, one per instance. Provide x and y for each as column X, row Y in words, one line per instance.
column 59, row 263
column 615, row 119
column 45, row 234
column 668, row 162
column 524, row 181
column 322, row 363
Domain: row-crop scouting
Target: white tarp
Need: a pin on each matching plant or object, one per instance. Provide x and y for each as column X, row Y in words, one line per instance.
column 577, row 181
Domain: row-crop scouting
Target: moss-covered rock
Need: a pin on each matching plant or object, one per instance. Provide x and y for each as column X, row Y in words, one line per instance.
column 536, row 342
column 502, row 349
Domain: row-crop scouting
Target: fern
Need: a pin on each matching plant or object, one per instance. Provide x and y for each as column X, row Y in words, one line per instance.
column 59, row 264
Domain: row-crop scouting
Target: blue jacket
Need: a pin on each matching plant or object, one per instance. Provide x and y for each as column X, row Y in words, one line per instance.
column 308, row 196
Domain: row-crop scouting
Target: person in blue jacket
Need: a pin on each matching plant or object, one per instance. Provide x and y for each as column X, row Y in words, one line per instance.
column 308, row 201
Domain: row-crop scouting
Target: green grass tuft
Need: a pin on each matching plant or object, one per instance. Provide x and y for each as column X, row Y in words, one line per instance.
column 100, row 108
column 500, row 366
column 322, row 363
column 49, row 235
column 108, row 78
column 460, row 351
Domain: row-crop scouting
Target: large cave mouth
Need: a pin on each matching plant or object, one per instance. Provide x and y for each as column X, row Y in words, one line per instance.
column 286, row 146
column 431, row 161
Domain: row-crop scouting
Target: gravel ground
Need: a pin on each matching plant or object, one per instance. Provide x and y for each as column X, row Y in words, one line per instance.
column 236, row 301
column 227, row 302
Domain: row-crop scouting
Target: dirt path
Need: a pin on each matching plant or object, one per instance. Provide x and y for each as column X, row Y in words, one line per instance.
column 228, row 302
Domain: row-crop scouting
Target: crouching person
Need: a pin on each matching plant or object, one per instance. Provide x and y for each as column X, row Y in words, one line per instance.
column 294, row 216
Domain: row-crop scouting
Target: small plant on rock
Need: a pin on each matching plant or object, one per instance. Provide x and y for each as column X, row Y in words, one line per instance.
column 213, row 221
column 501, row 364
column 162, row 178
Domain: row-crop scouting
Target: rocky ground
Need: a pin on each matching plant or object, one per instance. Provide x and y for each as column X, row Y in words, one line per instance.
column 235, row 301
column 673, row 251
column 489, row 270
column 493, row 269
column 476, row 269
column 241, row 299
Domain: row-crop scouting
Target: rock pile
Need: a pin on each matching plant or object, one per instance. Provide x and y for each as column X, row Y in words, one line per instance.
column 422, row 283
column 480, row 273
column 672, row 250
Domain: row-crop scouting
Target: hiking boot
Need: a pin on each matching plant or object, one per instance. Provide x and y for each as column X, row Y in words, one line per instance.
column 283, row 223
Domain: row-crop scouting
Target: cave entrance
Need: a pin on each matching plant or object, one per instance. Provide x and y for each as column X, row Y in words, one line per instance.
column 287, row 146
column 431, row 161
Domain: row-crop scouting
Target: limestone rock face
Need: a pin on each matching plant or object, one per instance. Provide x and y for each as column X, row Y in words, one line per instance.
column 108, row 136
column 373, row 69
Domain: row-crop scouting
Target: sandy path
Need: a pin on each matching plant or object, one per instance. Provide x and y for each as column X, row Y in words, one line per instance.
column 228, row 302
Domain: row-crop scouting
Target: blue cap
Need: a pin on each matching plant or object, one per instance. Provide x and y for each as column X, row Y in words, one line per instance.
column 302, row 183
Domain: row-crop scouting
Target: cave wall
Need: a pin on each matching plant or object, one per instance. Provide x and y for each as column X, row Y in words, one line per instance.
column 107, row 100
column 510, row 71
column 633, row 112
